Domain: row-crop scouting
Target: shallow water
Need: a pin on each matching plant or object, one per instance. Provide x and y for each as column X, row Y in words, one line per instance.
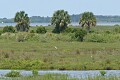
column 75, row 74
column 46, row 24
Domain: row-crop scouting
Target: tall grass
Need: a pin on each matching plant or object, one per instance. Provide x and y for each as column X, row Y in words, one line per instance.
column 100, row 50
column 102, row 37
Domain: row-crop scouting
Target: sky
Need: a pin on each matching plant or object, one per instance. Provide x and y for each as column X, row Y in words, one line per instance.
column 8, row 8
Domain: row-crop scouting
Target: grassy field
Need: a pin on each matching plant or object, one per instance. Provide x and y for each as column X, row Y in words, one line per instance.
column 58, row 51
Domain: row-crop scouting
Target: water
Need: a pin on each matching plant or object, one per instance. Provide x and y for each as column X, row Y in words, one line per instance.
column 31, row 24
column 72, row 74
column 46, row 24
column 108, row 23
column 101, row 23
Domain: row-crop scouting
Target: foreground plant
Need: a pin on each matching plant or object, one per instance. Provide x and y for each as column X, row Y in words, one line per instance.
column 102, row 73
column 13, row 74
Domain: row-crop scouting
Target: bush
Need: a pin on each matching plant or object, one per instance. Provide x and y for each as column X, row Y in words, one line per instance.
column 80, row 33
column 107, row 32
column 32, row 31
column 68, row 30
column 1, row 31
column 41, row 30
column 74, row 30
column 35, row 73
column 102, row 37
column 116, row 30
column 13, row 74
column 8, row 29
column 94, row 38
column 102, row 73
column 116, row 25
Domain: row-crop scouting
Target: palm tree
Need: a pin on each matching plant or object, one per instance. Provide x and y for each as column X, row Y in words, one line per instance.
column 87, row 20
column 22, row 21
column 60, row 20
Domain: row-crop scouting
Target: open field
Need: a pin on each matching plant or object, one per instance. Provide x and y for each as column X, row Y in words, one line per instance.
column 58, row 51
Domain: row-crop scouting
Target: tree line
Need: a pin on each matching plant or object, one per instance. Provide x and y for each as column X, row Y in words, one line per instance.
column 74, row 18
column 59, row 20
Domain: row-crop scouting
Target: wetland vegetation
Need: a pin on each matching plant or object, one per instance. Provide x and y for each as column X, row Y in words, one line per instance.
column 24, row 50
column 59, row 46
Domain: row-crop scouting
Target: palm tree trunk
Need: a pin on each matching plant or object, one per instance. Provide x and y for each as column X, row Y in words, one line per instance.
column 88, row 29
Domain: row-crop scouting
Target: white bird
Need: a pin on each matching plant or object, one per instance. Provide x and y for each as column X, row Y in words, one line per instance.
column 91, row 56
column 55, row 47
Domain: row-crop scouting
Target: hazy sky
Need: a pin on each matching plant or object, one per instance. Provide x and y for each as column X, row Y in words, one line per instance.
column 8, row 8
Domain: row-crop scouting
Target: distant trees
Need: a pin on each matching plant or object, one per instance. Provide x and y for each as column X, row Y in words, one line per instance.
column 22, row 20
column 87, row 20
column 39, row 19
column 60, row 20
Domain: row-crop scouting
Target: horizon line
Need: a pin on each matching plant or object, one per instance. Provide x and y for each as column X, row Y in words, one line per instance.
column 69, row 14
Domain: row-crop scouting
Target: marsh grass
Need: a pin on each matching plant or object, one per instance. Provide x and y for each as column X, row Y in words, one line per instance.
column 42, row 77
column 67, row 56
column 61, row 77
column 60, row 51
column 13, row 74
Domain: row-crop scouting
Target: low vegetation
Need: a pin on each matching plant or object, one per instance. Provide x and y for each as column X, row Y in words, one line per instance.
column 41, row 30
column 13, row 74
column 60, row 77
column 8, row 29
column 24, row 50
column 102, row 73
column 72, row 48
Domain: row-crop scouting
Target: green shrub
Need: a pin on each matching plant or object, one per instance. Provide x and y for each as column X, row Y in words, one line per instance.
column 1, row 31
column 9, row 29
column 80, row 33
column 35, row 73
column 107, row 32
column 116, row 30
column 94, row 38
column 13, row 74
column 41, row 30
column 102, row 37
column 32, row 31
column 74, row 30
column 116, row 25
column 71, row 30
column 68, row 30
column 93, row 31
column 102, row 73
